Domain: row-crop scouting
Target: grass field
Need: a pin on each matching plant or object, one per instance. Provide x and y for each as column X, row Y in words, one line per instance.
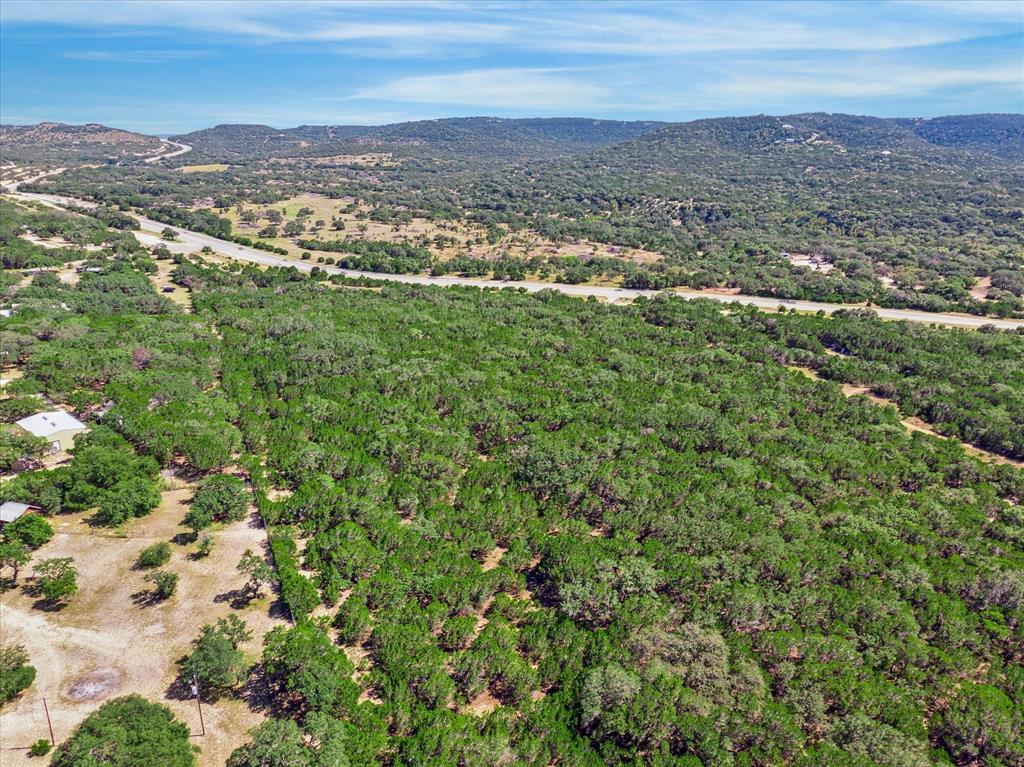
column 213, row 167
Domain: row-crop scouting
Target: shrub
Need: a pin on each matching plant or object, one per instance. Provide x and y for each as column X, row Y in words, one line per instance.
column 40, row 748
column 164, row 583
column 155, row 555
column 205, row 546
column 16, row 675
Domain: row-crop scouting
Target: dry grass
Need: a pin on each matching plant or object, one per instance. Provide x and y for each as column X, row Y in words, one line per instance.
column 213, row 167
column 111, row 640
column 470, row 238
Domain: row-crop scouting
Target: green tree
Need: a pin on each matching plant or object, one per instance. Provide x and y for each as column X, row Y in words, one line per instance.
column 275, row 743
column 129, row 498
column 32, row 530
column 259, row 571
column 310, row 665
column 220, row 498
column 14, row 554
column 16, row 674
column 128, row 732
column 56, row 578
column 216, row 660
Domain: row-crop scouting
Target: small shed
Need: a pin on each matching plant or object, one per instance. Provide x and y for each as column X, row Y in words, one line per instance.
column 56, row 426
column 11, row 510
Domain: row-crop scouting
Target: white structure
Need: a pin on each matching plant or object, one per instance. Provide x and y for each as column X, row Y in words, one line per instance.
column 56, row 426
column 10, row 511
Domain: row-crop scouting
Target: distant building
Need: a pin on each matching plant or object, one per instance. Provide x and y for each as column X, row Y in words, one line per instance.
column 56, row 426
column 10, row 511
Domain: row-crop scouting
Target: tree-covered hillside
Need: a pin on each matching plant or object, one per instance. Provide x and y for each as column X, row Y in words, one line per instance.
column 467, row 138
column 922, row 214
column 529, row 529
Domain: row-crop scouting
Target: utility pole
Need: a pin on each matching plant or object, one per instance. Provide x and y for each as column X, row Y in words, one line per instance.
column 49, row 724
column 199, row 703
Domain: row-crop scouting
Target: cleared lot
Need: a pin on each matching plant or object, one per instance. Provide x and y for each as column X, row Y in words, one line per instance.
column 111, row 640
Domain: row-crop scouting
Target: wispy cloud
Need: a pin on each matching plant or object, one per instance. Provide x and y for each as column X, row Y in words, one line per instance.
column 796, row 80
column 662, row 29
column 538, row 89
column 136, row 56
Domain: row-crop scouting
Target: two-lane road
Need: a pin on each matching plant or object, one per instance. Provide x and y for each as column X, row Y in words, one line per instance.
column 193, row 241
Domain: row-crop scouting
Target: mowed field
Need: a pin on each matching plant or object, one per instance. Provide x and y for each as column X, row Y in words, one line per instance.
column 469, row 239
column 111, row 639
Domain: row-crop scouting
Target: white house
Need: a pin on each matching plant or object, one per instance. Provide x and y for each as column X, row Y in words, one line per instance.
column 56, row 426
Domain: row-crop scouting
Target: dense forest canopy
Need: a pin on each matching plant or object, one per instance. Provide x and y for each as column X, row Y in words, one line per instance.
column 566, row 532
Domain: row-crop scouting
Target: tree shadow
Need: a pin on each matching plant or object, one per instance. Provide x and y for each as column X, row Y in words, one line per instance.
column 146, row 598
column 238, row 599
column 48, row 605
column 264, row 694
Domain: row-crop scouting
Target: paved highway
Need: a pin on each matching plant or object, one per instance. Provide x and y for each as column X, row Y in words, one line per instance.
column 182, row 148
column 192, row 241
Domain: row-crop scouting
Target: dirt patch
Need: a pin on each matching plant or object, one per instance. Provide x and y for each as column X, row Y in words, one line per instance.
column 980, row 289
column 805, row 372
column 484, row 703
column 492, row 558
column 95, row 685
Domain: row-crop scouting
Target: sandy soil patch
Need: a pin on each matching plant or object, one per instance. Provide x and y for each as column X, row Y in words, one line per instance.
column 112, row 640
column 814, row 263
column 980, row 289
column 482, row 704
column 492, row 558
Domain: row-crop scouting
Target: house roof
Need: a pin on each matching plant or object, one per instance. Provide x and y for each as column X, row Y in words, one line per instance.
column 46, row 424
column 10, row 510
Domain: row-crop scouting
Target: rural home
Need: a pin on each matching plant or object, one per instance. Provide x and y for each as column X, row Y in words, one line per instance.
column 10, row 511
column 56, row 426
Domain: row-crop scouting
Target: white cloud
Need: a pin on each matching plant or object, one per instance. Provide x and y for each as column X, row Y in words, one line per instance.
column 537, row 89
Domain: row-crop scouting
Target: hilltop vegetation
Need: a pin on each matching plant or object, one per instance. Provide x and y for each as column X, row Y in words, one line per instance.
column 530, row 529
column 57, row 142
column 480, row 138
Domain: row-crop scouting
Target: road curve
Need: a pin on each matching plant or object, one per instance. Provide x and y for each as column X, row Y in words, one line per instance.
column 193, row 241
column 182, row 148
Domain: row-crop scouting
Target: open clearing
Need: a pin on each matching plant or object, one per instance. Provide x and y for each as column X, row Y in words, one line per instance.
column 110, row 640
column 213, row 167
column 444, row 239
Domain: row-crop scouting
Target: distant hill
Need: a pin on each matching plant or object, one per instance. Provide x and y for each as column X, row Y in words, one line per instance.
column 477, row 137
column 90, row 142
column 998, row 134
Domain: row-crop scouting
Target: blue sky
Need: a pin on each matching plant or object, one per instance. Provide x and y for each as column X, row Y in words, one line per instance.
column 174, row 66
